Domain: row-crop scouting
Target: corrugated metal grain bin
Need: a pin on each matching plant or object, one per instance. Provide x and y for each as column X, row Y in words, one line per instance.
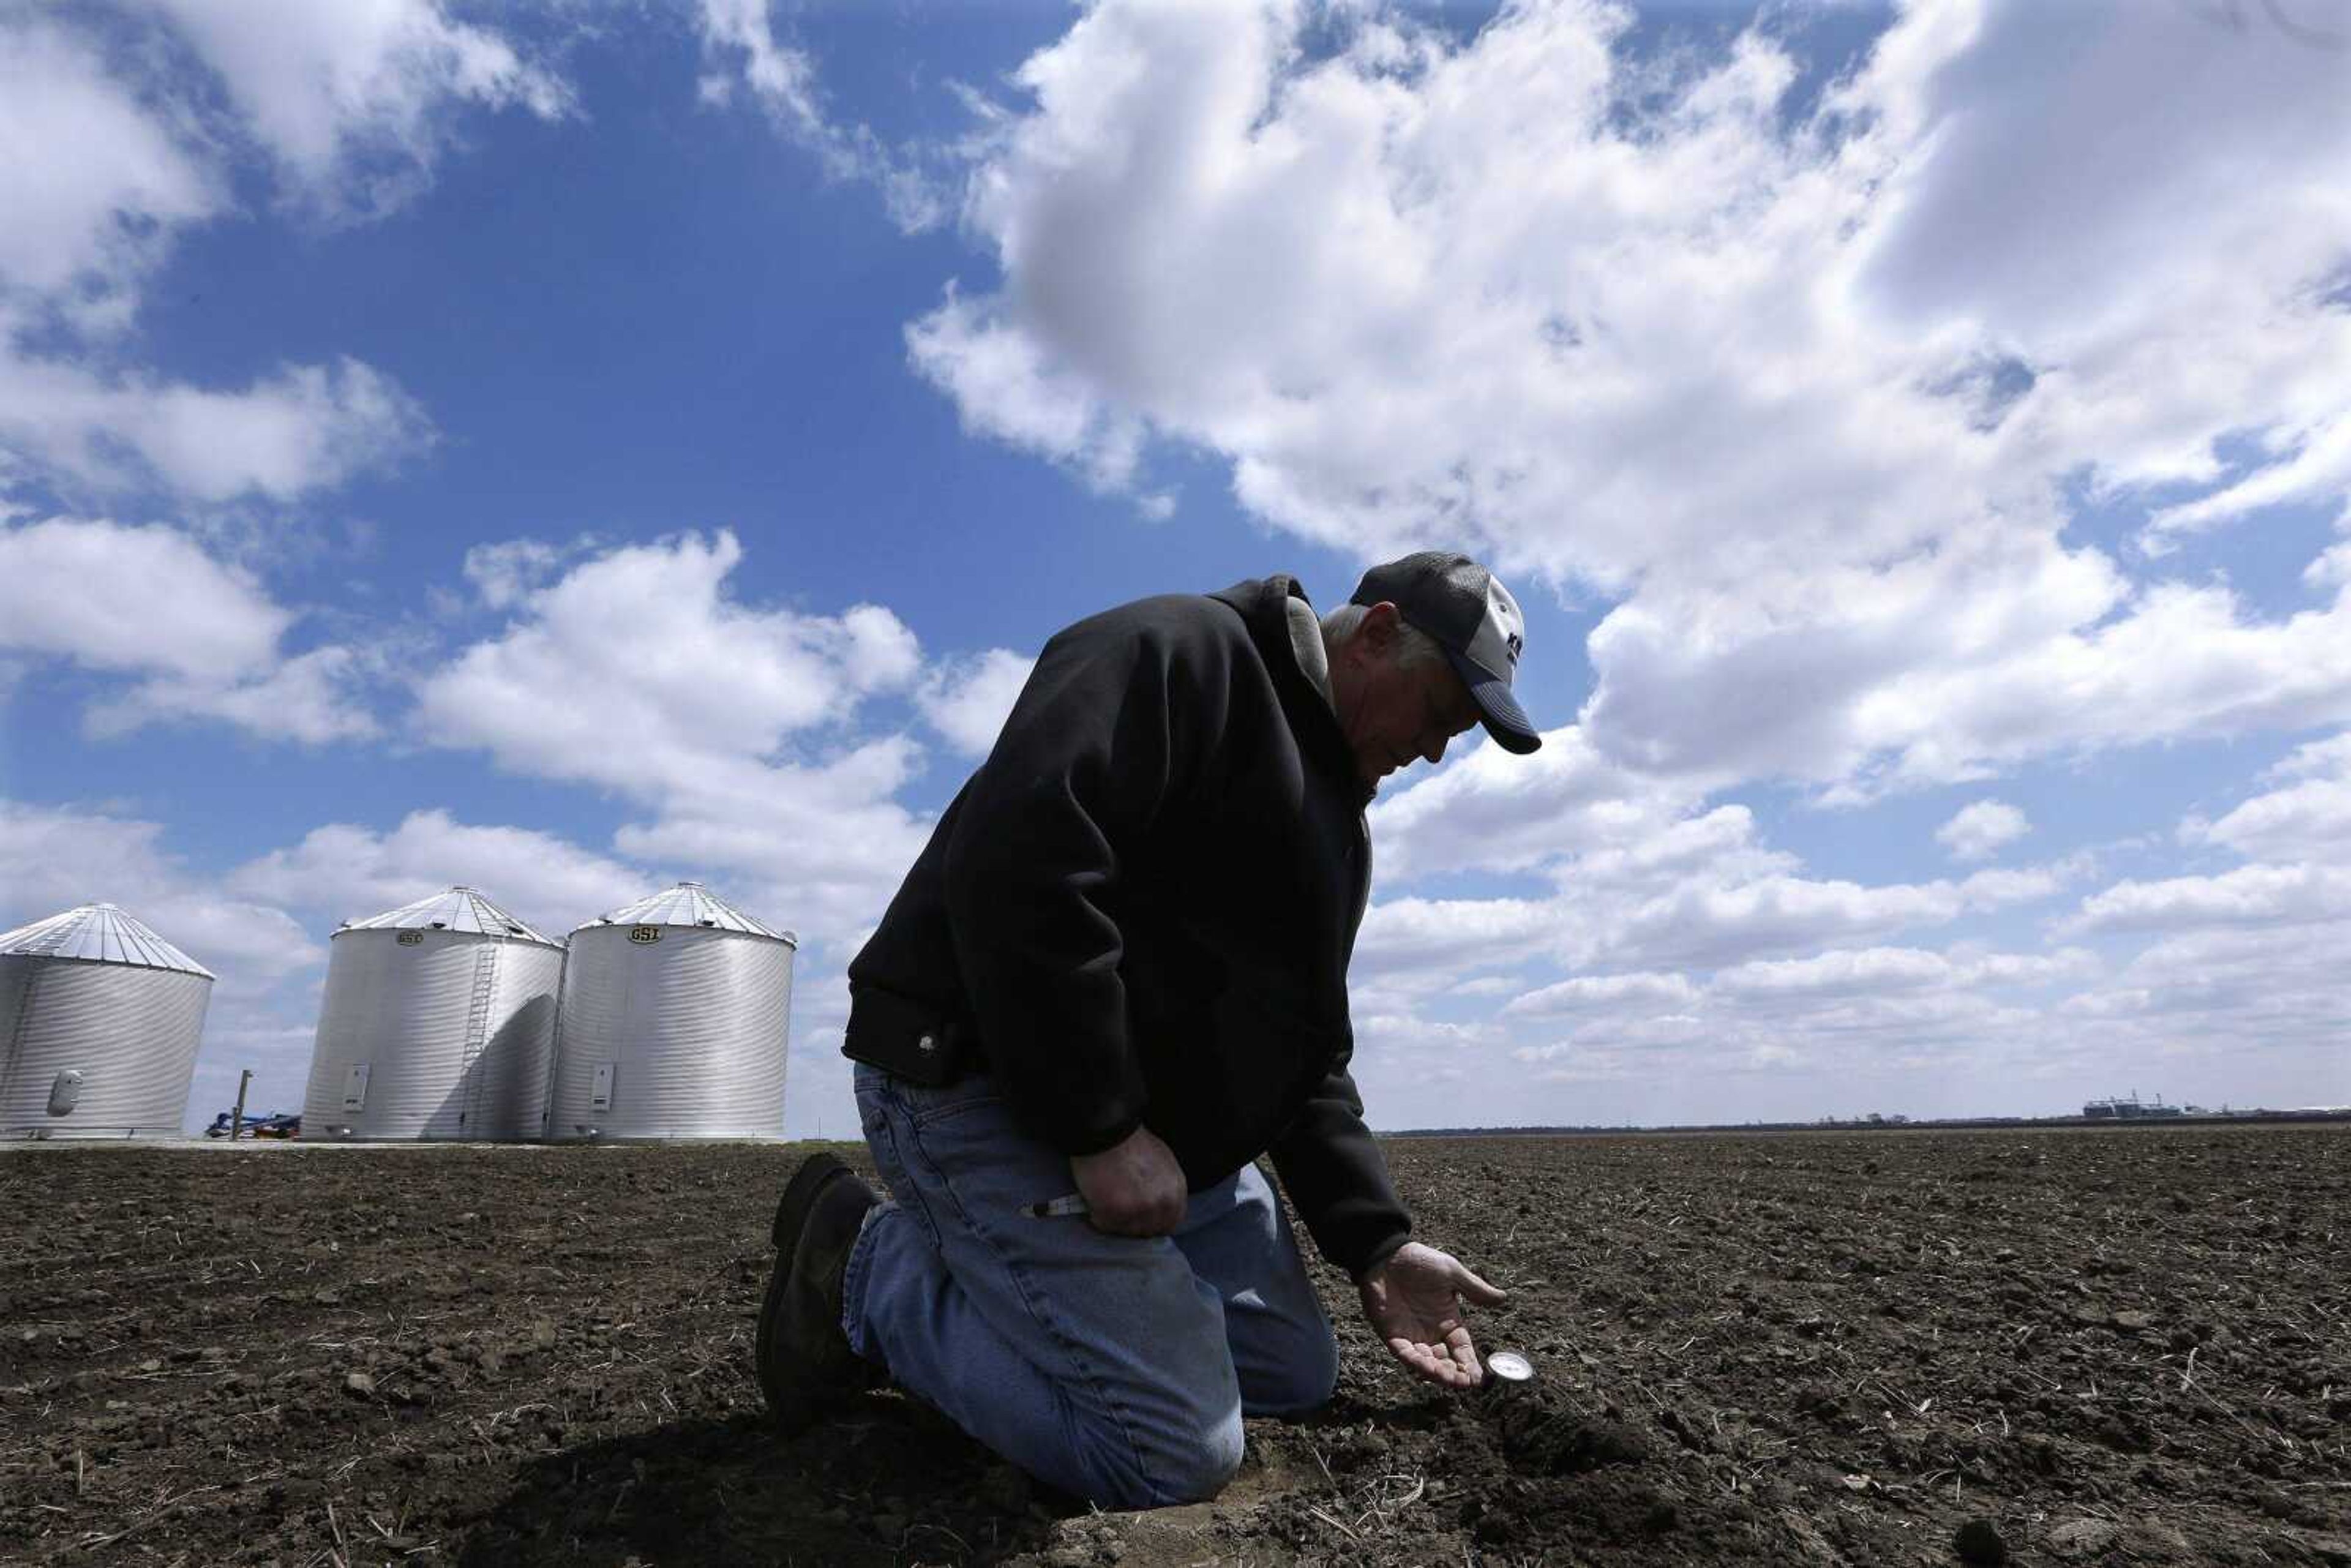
column 438, row 1022
column 99, row 1022
column 676, row 1016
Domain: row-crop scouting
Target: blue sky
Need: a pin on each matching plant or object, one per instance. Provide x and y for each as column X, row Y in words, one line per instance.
column 567, row 448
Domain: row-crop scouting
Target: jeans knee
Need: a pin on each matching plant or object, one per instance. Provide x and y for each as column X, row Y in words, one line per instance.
column 1318, row 1372
column 1191, row 1463
column 1302, row 1378
column 1199, row 1468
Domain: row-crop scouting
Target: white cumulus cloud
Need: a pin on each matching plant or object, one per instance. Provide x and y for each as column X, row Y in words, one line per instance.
column 739, row 48
column 2306, row 819
column 84, row 214
column 200, row 639
column 124, row 147
column 352, row 100
column 2249, row 895
column 1980, row 829
column 638, row 671
column 1761, row 370
column 303, row 429
column 344, row 870
column 123, row 164
column 503, row 571
column 966, row 700
column 739, row 730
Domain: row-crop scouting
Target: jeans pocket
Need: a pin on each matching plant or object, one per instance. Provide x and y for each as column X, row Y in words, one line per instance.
column 929, row 1107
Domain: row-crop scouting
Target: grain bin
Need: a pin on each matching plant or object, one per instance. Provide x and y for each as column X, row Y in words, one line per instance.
column 438, row 1022
column 99, row 1021
column 676, row 1012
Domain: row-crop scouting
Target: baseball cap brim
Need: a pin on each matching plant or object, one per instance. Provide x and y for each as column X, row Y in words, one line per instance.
column 1506, row 721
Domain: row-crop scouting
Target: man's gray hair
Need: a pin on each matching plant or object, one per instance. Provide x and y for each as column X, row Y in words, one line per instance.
column 1414, row 649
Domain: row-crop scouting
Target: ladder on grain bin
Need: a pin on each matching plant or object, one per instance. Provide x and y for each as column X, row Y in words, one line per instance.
column 477, row 1034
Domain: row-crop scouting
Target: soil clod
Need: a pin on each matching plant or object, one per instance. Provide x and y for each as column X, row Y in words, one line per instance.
column 1978, row 1542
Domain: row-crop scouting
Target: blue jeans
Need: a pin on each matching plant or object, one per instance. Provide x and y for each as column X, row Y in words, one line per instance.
column 1112, row 1367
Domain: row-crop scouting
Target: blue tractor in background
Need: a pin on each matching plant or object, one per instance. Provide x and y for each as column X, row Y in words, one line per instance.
column 276, row 1124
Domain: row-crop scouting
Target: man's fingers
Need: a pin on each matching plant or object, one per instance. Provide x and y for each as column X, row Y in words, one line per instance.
column 1475, row 1289
column 1431, row 1364
column 1464, row 1354
column 1142, row 1223
column 1142, row 1213
column 1416, row 1356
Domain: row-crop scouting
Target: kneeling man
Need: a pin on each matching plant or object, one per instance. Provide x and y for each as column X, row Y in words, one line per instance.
column 1117, row 975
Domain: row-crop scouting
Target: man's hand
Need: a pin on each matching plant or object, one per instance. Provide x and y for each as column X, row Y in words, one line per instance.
column 1412, row 1302
column 1135, row 1187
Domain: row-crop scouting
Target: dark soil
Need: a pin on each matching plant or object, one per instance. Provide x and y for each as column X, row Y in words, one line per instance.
column 2126, row 1345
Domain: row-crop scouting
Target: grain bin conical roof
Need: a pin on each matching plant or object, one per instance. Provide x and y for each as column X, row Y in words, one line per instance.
column 458, row 909
column 99, row 934
column 690, row 904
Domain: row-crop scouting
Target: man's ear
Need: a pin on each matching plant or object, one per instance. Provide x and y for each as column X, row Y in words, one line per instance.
column 1380, row 625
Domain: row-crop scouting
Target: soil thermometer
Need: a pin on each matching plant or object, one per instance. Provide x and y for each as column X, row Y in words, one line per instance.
column 1509, row 1372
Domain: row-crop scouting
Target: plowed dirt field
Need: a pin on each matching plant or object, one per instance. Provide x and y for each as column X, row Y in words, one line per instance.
column 2124, row 1346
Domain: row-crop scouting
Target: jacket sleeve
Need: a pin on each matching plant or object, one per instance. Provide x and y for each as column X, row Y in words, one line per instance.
column 1337, row 1177
column 1048, row 827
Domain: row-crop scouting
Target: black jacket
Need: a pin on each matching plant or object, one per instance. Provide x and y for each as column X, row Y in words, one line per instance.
column 1140, row 910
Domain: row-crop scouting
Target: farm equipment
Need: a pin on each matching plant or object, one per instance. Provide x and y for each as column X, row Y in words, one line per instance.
column 277, row 1125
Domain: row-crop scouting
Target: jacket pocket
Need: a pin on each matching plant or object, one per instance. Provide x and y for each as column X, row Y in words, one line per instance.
column 906, row 1039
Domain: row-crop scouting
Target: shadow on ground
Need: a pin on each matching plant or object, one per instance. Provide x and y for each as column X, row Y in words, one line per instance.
column 889, row 1483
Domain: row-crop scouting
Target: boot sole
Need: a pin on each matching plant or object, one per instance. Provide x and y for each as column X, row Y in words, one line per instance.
column 800, row 1196
column 791, row 1219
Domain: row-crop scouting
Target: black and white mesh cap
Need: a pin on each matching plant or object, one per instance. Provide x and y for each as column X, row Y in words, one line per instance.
column 1466, row 611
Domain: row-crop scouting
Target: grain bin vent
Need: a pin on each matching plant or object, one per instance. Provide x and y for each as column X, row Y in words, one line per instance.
column 65, row 1092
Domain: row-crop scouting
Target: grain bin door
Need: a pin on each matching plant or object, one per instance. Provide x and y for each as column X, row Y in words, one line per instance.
column 65, row 1092
column 599, row 1087
column 355, row 1087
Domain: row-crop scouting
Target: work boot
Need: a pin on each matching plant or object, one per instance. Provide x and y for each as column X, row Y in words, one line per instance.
column 806, row 1366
